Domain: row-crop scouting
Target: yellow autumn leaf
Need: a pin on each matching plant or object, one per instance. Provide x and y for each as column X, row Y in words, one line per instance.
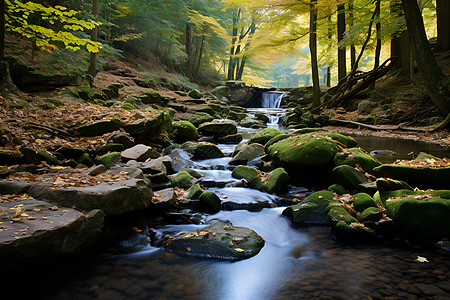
column 239, row 250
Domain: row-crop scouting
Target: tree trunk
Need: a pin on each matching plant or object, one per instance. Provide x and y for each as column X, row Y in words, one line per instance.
column 189, row 52
column 94, row 38
column 342, row 61
column 433, row 77
column 232, row 62
column 443, row 24
column 2, row 28
column 240, row 70
column 400, row 46
column 313, row 49
column 378, row 30
column 351, row 21
column 200, row 55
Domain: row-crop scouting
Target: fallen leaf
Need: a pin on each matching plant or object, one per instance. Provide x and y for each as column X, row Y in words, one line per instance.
column 239, row 250
column 421, row 259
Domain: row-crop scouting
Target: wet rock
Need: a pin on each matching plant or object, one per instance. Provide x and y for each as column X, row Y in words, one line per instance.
column 350, row 177
column 112, row 147
column 219, row 240
column 42, row 229
column 182, row 180
column 266, row 182
column 363, row 201
column 113, row 199
column 195, row 191
column 138, row 153
column 152, row 166
column 387, row 184
column 217, row 128
column 338, row 189
column 164, row 199
column 338, row 214
column 100, row 127
column 121, row 138
column 264, row 136
column 109, row 160
column 373, row 214
column 356, row 157
column 159, row 178
column 430, row 289
column 311, row 210
column 248, row 152
column 230, row 139
column 350, row 233
column 210, row 201
column 193, row 173
column 185, row 131
column 86, row 160
column 181, row 160
column 422, row 177
column 310, row 150
column 202, row 150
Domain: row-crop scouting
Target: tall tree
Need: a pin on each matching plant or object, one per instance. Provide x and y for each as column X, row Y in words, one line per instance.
column 433, row 77
column 313, row 50
column 443, row 24
column 351, row 21
column 400, row 46
column 2, row 29
column 342, row 61
column 189, row 73
column 94, row 38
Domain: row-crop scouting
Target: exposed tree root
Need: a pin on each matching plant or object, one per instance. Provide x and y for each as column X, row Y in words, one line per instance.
column 373, row 127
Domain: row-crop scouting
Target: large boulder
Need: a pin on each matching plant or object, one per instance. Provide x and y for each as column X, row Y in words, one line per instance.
column 350, row 177
column 311, row 210
column 184, row 131
column 182, row 180
column 37, row 228
column 220, row 241
column 217, row 128
column 139, row 152
column 310, row 150
column 150, row 127
column 356, row 157
column 100, row 127
column 121, row 190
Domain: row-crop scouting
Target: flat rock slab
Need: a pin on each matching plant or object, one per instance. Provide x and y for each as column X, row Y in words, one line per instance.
column 219, row 241
column 113, row 198
column 29, row 228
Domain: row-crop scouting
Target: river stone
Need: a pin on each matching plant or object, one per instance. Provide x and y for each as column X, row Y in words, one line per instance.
column 425, row 215
column 164, row 199
column 422, row 177
column 149, row 128
column 350, row 177
column 202, row 118
column 310, row 150
column 338, row 189
column 249, row 152
column 113, row 199
column 210, row 201
column 109, row 160
column 363, row 201
column 121, row 138
column 356, row 157
column 264, row 136
column 112, row 147
column 387, row 184
column 202, row 150
column 195, row 191
column 350, row 233
column 193, row 173
column 373, row 214
column 220, row 241
column 338, row 214
column 185, row 131
column 195, row 94
column 139, row 152
column 265, row 182
column 311, row 210
column 45, row 231
column 276, row 139
column 152, row 166
column 217, row 128
column 182, row 180
column 100, row 127
column 71, row 152
column 230, row 139
column 37, row 156
column 181, row 160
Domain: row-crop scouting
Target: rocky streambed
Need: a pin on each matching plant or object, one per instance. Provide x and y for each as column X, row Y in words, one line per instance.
column 220, row 215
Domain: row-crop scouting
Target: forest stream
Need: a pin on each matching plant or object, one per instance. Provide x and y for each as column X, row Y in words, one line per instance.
column 297, row 262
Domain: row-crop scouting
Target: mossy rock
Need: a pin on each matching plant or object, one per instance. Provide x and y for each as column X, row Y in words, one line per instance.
column 350, row 177
column 10, row 158
column 337, row 214
column 424, row 216
column 311, row 150
column 219, row 241
column 387, row 184
column 100, row 127
column 185, row 131
column 150, row 128
column 7, row 137
column 128, row 106
column 262, row 117
column 338, row 189
column 19, row 104
column 85, row 93
column 203, row 118
column 268, row 183
column 217, row 128
column 356, row 157
column 422, row 177
column 276, row 139
column 311, row 210
column 195, row 191
column 230, row 139
column 36, row 156
column 264, row 136
column 210, row 202
column 195, row 94
column 109, row 160
column 183, row 180
column 193, row 173
column 353, row 234
column 371, row 214
column 121, row 138
column 207, row 110
column 71, row 152
column 112, row 147
column 248, row 153
column 86, row 160
column 202, row 150
column 236, row 116
column 363, row 201
column 424, row 155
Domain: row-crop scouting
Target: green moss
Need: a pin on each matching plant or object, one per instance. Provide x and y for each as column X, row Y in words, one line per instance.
column 183, row 180
column 338, row 214
column 185, row 131
column 210, row 201
column 373, row 214
column 338, row 189
column 109, row 148
column 110, row 159
column 264, row 136
column 128, row 106
column 356, row 157
column 363, row 201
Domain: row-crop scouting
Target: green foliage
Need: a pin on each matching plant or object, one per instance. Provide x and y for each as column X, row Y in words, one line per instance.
column 50, row 28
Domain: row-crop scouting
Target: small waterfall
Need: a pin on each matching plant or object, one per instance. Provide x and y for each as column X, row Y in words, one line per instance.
column 273, row 120
column 271, row 99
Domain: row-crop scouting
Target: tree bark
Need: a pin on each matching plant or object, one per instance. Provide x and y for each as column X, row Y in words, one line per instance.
column 351, row 21
column 443, row 24
column 189, row 52
column 400, row 46
column 432, row 75
column 313, row 49
column 378, row 30
column 200, row 55
column 94, row 38
column 342, row 61
column 2, row 28
column 232, row 62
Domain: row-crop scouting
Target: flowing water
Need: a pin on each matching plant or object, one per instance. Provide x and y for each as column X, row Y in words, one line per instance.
column 295, row 263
